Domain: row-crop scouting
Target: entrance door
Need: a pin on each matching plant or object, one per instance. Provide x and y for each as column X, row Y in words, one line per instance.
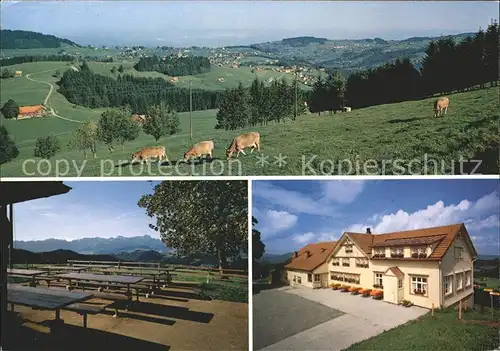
column 324, row 280
column 400, row 290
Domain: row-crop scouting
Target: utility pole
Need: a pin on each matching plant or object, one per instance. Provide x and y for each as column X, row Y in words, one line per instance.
column 190, row 111
column 296, row 108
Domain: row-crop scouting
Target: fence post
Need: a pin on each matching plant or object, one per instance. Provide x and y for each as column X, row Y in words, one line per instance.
column 460, row 309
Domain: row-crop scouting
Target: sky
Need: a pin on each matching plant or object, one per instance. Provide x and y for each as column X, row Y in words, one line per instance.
column 90, row 209
column 294, row 213
column 221, row 23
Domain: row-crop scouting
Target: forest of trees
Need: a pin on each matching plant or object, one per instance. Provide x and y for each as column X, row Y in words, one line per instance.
column 93, row 90
column 241, row 107
column 22, row 39
column 448, row 66
column 23, row 59
column 174, row 66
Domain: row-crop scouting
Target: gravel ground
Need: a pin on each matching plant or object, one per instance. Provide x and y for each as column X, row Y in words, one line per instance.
column 278, row 315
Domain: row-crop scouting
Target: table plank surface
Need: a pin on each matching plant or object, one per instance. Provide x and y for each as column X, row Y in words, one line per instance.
column 26, row 272
column 138, row 272
column 124, row 279
column 44, row 298
column 65, row 268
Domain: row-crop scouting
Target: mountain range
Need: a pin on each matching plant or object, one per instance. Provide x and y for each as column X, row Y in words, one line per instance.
column 96, row 245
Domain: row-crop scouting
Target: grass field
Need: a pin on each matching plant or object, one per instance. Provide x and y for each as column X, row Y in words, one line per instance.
column 442, row 332
column 403, row 131
column 493, row 283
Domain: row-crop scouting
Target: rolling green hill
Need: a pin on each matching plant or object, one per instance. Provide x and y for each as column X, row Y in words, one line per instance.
column 402, row 131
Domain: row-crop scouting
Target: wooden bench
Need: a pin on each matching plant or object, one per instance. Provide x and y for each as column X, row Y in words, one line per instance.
column 84, row 310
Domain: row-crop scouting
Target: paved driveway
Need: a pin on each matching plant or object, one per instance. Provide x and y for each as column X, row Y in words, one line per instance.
column 278, row 315
column 363, row 318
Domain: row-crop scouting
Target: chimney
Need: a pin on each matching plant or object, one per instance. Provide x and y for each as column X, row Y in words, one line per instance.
column 368, row 231
column 295, row 254
column 308, row 253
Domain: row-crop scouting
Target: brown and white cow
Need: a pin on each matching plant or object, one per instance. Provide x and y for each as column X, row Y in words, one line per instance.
column 199, row 150
column 146, row 153
column 242, row 141
column 441, row 106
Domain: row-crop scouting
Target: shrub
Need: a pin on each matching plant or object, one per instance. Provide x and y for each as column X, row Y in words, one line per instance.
column 46, row 147
column 8, row 149
column 224, row 292
column 10, row 109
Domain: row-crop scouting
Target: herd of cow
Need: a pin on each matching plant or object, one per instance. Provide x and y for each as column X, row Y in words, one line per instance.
column 238, row 144
column 203, row 148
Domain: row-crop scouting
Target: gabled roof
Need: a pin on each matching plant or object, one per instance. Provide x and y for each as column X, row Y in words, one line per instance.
column 30, row 109
column 442, row 236
column 396, row 271
column 312, row 256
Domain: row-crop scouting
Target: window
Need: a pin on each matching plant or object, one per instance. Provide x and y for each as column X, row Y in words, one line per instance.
column 419, row 285
column 299, row 280
column 352, row 278
column 400, row 283
column 379, row 252
column 447, row 285
column 335, row 262
column 317, row 278
column 361, row 262
column 419, row 252
column 397, row 252
column 348, row 249
column 467, row 279
column 378, row 280
column 294, row 278
column 309, row 277
column 345, row 262
column 459, row 253
column 459, row 278
column 338, row 276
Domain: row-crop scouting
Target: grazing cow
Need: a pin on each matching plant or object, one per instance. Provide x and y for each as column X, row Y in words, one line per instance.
column 200, row 149
column 242, row 141
column 150, row 152
column 441, row 106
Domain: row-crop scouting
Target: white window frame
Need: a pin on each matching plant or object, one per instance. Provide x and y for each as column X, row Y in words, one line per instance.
column 468, row 282
column 348, row 248
column 417, row 281
column 459, row 278
column 376, row 276
column 346, row 260
column 317, row 278
column 335, row 261
column 299, row 279
column 448, row 285
column 400, row 283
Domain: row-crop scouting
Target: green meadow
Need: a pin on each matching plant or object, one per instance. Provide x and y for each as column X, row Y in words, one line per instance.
column 311, row 145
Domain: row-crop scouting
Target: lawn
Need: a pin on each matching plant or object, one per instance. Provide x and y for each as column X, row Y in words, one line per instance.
column 388, row 136
column 442, row 332
column 493, row 283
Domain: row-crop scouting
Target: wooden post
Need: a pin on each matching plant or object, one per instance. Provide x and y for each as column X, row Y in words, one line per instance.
column 460, row 310
column 432, row 310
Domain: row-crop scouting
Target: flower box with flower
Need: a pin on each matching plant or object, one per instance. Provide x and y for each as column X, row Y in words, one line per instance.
column 401, row 255
column 365, row 292
column 393, row 255
column 382, row 255
column 376, row 256
column 354, row 290
column 345, row 264
column 378, row 286
column 344, row 288
column 377, row 294
column 422, row 255
column 419, row 292
column 414, row 255
column 335, row 264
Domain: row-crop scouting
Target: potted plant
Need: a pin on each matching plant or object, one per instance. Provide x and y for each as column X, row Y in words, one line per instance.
column 335, row 286
column 354, row 290
column 377, row 294
column 365, row 292
column 406, row 303
column 344, row 288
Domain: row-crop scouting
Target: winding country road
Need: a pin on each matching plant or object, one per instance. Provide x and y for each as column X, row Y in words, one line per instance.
column 28, row 76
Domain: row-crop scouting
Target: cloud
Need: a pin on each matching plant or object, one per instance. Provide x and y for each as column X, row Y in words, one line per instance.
column 331, row 192
column 311, row 237
column 477, row 215
column 273, row 222
column 342, row 192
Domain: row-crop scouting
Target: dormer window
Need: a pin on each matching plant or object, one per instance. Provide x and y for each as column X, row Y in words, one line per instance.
column 379, row 252
column 397, row 252
column 419, row 252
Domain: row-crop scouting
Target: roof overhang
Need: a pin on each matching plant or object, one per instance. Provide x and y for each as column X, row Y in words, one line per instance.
column 16, row 192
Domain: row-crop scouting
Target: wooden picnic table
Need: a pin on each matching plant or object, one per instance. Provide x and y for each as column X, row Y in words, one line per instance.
column 28, row 273
column 64, row 268
column 155, row 274
column 120, row 279
column 44, row 298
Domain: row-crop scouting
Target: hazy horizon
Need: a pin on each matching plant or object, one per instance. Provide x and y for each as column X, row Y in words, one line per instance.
column 223, row 23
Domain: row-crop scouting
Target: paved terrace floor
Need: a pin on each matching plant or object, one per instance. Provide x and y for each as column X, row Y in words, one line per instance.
column 363, row 318
column 174, row 319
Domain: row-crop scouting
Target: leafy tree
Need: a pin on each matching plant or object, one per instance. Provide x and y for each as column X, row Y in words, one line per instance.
column 201, row 217
column 85, row 138
column 8, row 149
column 10, row 109
column 161, row 120
column 57, row 74
column 113, row 70
column 234, row 110
column 334, row 92
column 46, row 147
column 114, row 126
column 7, row 74
column 121, row 69
column 317, row 100
column 258, row 247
